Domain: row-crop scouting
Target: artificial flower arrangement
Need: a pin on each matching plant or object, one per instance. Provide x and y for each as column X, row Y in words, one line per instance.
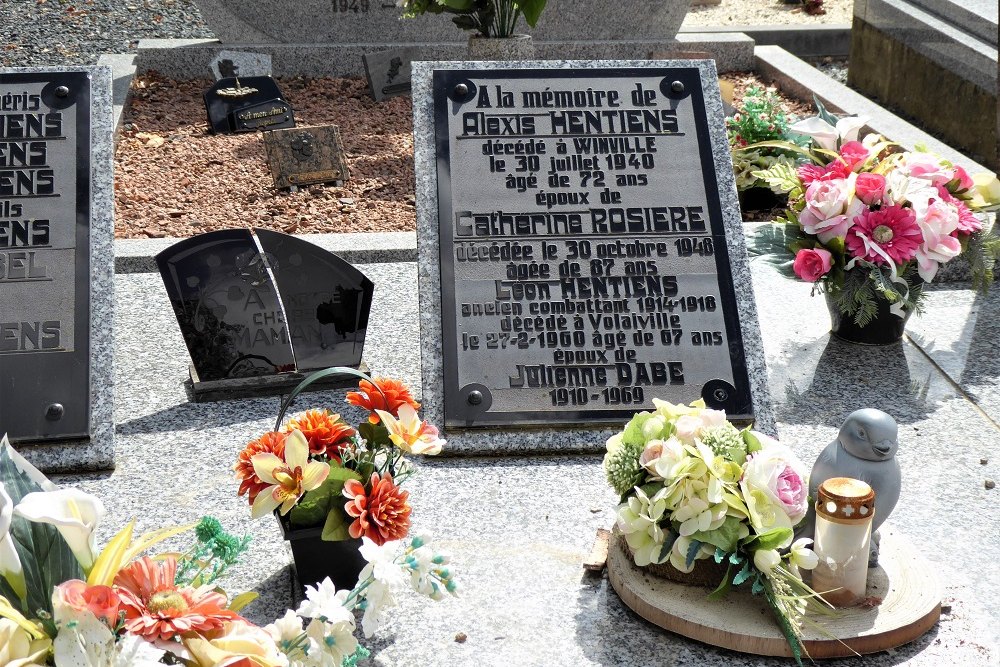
column 694, row 487
column 869, row 222
column 317, row 469
column 64, row 602
column 761, row 118
column 490, row 18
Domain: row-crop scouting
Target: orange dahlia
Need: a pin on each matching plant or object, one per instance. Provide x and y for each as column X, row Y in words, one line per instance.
column 269, row 443
column 381, row 514
column 369, row 398
column 326, row 432
column 157, row 609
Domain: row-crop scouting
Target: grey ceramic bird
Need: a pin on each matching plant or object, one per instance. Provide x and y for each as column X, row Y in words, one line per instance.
column 865, row 450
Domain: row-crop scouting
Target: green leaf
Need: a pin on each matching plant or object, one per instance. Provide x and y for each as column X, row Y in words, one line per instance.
column 781, row 177
column 787, row 629
column 317, row 504
column 531, row 9
column 46, row 559
column 723, row 588
column 724, row 537
column 775, row 538
column 743, row 574
column 823, row 113
column 752, row 442
column 783, row 145
column 335, row 528
column 693, row 550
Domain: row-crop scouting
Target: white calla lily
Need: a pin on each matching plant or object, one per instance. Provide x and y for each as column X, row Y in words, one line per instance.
column 827, row 136
column 10, row 562
column 75, row 515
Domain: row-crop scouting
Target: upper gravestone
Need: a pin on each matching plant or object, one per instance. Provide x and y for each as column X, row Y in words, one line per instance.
column 56, row 265
column 378, row 22
column 581, row 251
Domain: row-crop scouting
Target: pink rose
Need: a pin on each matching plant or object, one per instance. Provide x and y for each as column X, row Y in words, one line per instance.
column 811, row 265
column 938, row 222
column 825, row 214
column 927, row 167
column 790, row 489
column 102, row 601
column 869, row 188
column 853, row 154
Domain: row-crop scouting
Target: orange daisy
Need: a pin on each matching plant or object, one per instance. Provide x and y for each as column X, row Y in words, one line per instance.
column 326, row 432
column 156, row 609
column 369, row 398
column 269, row 443
column 381, row 514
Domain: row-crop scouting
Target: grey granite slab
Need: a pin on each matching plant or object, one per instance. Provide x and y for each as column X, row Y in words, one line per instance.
column 978, row 17
column 518, row 528
column 97, row 452
column 122, row 72
column 969, row 51
column 525, row 440
column 799, row 79
column 240, row 63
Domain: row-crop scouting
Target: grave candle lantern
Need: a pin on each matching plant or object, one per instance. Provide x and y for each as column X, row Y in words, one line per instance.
column 844, row 511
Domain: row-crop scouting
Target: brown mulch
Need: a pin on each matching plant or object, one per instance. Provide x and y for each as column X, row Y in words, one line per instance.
column 175, row 179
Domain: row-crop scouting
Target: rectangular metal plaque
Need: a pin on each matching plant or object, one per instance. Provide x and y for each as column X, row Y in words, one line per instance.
column 584, row 262
column 45, row 255
column 305, row 155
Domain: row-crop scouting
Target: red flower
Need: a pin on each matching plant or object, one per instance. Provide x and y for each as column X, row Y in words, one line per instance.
column 369, row 398
column 381, row 514
column 853, row 154
column 893, row 229
column 813, row 172
column 156, row 609
column 326, row 432
column 269, row 443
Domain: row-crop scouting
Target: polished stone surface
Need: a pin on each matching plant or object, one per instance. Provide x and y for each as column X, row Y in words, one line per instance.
column 519, row 527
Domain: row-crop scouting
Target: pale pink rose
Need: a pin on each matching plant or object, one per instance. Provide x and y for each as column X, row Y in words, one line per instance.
column 812, row 264
column 826, row 212
column 869, row 188
column 853, row 154
column 938, row 222
column 712, row 418
column 74, row 596
column 774, row 485
column 660, row 456
column 927, row 167
column 687, row 427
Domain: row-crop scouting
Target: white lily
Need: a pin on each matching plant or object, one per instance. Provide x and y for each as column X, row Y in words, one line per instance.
column 75, row 515
column 22, row 465
column 827, row 136
column 10, row 562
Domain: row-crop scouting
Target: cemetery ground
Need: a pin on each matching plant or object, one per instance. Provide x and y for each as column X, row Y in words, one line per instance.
column 517, row 525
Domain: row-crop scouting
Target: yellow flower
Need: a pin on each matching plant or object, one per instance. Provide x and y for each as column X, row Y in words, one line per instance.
column 239, row 641
column 19, row 649
column 410, row 434
column 289, row 478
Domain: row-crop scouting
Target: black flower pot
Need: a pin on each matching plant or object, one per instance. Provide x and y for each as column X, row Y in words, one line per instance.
column 884, row 329
column 315, row 559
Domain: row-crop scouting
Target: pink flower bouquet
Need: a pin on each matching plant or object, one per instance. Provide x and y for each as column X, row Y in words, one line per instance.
column 867, row 222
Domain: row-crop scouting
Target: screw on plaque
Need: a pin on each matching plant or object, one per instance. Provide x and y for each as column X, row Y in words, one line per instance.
column 475, row 398
column 461, row 90
column 720, row 395
column 677, row 87
column 55, row 412
column 62, row 91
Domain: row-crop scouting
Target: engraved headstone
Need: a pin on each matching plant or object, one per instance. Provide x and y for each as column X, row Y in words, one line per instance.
column 305, row 155
column 56, row 266
column 388, row 72
column 581, row 252
column 245, row 104
column 228, row 64
column 258, row 309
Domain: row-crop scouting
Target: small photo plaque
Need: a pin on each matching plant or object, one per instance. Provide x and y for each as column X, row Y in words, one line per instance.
column 306, row 155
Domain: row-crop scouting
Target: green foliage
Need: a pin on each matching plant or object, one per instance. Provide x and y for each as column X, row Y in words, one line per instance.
column 360, row 653
column 622, row 468
column 983, row 251
column 761, row 119
column 752, row 443
column 772, row 539
column 213, row 552
column 726, row 440
column 726, row 537
column 491, row 18
column 772, row 243
column 867, row 284
column 46, row 559
column 789, row 631
column 781, row 177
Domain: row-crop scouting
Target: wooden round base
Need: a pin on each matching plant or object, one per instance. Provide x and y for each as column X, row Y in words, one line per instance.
column 910, row 592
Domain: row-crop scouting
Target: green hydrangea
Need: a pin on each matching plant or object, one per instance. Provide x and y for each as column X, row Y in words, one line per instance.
column 622, row 467
column 725, row 440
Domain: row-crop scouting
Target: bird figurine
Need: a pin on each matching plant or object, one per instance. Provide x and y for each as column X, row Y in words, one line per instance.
column 865, row 449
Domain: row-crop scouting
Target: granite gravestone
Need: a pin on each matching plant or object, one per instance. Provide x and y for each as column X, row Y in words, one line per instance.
column 581, row 251
column 56, row 266
column 305, row 155
column 259, row 309
column 389, row 72
column 246, row 105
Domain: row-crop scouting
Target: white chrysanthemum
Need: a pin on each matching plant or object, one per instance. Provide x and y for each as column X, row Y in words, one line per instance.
column 335, row 641
column 324, row 601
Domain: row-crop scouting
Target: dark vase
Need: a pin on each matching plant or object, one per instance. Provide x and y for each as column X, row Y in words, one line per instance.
column 314, row 558
column 884, row 329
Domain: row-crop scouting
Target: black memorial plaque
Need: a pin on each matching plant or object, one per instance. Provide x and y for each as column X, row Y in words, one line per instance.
column 584, row 262
column 264, row 303
column 45, row 255
column 231, row 96
column 273, row 114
